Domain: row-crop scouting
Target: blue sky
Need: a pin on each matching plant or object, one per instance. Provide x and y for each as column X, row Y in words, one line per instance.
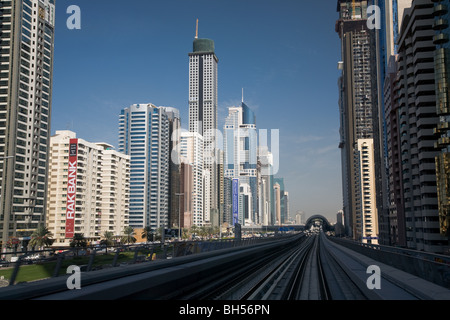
column 284, row 54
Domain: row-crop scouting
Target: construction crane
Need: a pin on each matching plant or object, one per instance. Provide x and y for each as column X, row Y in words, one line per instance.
column 354, row 9
column 196, row 31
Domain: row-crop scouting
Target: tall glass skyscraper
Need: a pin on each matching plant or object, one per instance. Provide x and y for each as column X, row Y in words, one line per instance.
column 386, row 43
column 359, row 120
column 144, row 135
column 240, row 158
column 203, row 100
column 442, row 75
column 26, row 64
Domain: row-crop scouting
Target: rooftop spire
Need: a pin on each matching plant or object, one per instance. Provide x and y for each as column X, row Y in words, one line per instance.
column 242, row 95
column 196, row 31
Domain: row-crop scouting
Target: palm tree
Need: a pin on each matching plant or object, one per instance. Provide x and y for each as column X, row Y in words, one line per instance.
column 147, row 233
column 186, row 233
column 78, row 241
column 107, row 240
column 203, row 232
column 41, row 237
column 128, row 235
column 195, row 230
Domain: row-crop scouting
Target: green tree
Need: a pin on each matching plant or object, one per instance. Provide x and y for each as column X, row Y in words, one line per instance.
column 108, row 240
column 78, row 241
column 147, row 234
column 41, row 238
column 195, row 230
column 128, row 236
column 186, row 233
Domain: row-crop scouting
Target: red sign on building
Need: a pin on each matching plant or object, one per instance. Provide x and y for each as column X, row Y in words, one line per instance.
column 71, row 189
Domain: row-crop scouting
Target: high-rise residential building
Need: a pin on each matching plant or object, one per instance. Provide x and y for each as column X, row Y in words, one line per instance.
column 392, row 17
column 396, row 216
column 265, row 192
column 144, row 135
column 416, row 95
column 240, row 154
column 245, row 204
column 191, row 152
column 203, row 101
column 26, row 52
column 173, row 115
column 283, row 199
column 277, row 202
column 358, row 105
column 186, row 195
column 88, row 189
column 442, row 77
column 287, row 212
column 386, row 43
column 367, row 205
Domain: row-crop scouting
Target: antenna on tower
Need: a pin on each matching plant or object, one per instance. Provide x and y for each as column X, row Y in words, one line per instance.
column 242, row 95
column 196, row 31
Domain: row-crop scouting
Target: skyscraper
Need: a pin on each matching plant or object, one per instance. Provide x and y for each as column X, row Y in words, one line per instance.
column 265, row 190
column 144, row 134
column 203, row 100
column 240, row 154
column 386, row 43
column 442, row 74
column 26, row 49
column 359, row 119
column 191, row 152
column 277, row 201
column 416, row 96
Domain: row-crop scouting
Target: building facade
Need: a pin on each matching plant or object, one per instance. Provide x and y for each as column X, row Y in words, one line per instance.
column 203, row 119
column 386, row 42
column 442, row 77
column 144, row 135
column 26, row 49
column 416, row 90
column 265, row 182
column 191, row 151
column 240, row 156
column 88, row 190
column 397, row 226
column 358, row 105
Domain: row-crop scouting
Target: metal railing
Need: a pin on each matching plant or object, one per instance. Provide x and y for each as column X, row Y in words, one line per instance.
column 431, row 267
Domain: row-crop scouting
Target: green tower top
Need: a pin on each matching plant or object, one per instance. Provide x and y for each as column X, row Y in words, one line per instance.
column 202, row 45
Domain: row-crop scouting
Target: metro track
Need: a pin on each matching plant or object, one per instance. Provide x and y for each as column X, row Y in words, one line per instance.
column 312, row 270
column 294, row 274
column 289, row 268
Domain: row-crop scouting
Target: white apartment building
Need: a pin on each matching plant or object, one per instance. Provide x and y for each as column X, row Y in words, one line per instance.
column 191, row 151
column 367, row 217
column 89, row 182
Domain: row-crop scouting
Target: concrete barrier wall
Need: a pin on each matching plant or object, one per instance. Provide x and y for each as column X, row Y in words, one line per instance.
column 150, row 280
column 436, row 272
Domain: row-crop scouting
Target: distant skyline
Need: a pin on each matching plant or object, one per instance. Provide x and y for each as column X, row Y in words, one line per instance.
column 284, row 54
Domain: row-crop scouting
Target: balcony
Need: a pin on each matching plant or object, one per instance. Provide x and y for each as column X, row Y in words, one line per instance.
column 440, row 10
column 444, row 141
column 440, row 39
column 440, row 24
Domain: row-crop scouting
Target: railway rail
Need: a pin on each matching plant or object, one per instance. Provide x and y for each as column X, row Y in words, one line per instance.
column 294, row 267
column 314, row 270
